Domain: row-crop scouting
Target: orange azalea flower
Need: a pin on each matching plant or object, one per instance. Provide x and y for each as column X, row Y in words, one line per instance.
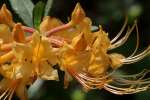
column 41, row 61
column 81, row 54
column 87, row 60
column 13, row 81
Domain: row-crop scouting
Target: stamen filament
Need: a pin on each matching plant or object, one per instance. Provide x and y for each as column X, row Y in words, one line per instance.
column 121, row 91
column 4, row 93
column 28, row 29
column 59, row 28
column 121, row 31
column 124, row 39
column 136, row 58
column 137, row 41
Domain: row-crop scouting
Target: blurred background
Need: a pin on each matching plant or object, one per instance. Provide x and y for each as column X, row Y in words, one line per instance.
column 111, row 15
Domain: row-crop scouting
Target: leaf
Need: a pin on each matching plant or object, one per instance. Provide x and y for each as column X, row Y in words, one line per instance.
column 24, row 9
column 38, row 13
column 48, row 7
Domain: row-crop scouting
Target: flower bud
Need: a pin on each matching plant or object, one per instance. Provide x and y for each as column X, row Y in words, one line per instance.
column 6, row 16
column 77, row 15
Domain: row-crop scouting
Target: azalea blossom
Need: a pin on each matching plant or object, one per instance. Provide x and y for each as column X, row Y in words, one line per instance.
column 79, row 52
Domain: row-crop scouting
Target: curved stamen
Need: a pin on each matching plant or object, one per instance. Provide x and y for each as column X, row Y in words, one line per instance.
column 121, row 31
column 137, row 41
column 28, row 29
column 136, row 58
column 134, row 75
column 8, row 94
column 74, row 74
column 121, row 91
column 59, row 28
column 124, row 39
column 95, row 79
column 11, row 94
column 87, row 83
column 132, row 79
column 120, row 85
column 4, row 93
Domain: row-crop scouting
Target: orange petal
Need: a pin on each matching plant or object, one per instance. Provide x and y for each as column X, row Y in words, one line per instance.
column 18, row 33
column 6, row 57
column 79, row 43
column 78, row 14
column 6, row 16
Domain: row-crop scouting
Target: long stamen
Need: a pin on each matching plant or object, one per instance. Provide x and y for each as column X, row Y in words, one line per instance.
column 120, row 85
column 121, row 91
column 58, row 41
column 132, row 79
column 59, row 28
column 79, row 79
column 28, row 29
column 9, row 92
column 124, row 39
column 95, row 79
column 4, row 93
column 121, row 31
column 137, row 41
column 137, row 57
column 87, row 82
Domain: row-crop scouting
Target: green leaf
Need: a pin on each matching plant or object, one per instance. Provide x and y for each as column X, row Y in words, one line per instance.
column 48, row 7
column 24, row 9
column 38, row 13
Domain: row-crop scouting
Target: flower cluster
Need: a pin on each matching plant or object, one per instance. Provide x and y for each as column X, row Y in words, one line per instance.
column 79, row 52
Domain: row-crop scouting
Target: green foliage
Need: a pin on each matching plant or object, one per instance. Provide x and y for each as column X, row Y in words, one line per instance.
column 48, row 7
column 78, row 95
column 24, row 9
column 31, row 15
column 38, row 13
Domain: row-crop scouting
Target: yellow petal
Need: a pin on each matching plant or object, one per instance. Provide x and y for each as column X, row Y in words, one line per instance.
column 79, row 43
column 103, row 40
column 6, row 16
column 5, row 34
column 22, row 51
column 47, row 72
column 49, row 23
column 116, row 60
column 6, row 71
column 42, row 49
column 6, row 57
